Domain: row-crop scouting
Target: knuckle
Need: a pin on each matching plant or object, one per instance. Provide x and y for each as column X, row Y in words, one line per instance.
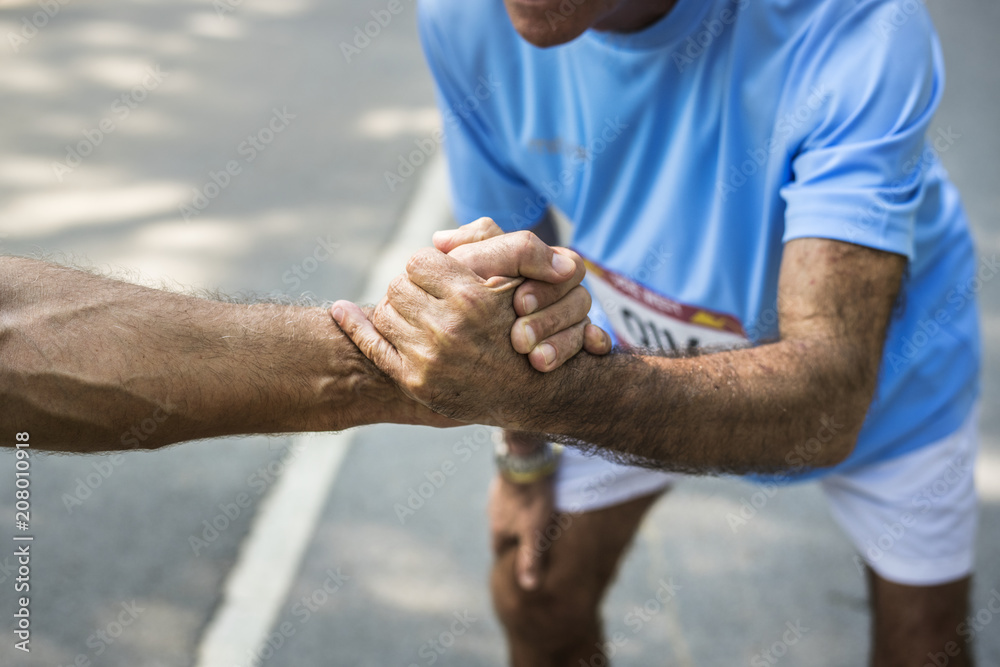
column 420, row 259
column 582, row 297
column 470, row 302
column 466, row 296
column 483, row 227
column 396, row 286
column 550, row 321
column 527, row 242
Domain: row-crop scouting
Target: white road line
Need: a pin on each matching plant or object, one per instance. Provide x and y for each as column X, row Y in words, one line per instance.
column 988, row 472
column 428, row 212
column 271, row 555
column 269, row 559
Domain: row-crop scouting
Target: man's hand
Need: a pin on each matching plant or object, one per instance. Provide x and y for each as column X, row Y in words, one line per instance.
column 550, row 328
column 743, row 410
column 443, row 330
column 388, row 403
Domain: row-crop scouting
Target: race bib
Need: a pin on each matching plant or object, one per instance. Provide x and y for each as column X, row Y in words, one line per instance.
column 642, row 318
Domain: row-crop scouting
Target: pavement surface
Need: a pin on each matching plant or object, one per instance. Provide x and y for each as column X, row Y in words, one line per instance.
column 230, row 145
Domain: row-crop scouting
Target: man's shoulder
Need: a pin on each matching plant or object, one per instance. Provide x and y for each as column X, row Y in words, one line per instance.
column 872, row 20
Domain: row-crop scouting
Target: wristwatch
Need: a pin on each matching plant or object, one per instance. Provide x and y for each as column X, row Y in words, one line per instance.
column 529, row 468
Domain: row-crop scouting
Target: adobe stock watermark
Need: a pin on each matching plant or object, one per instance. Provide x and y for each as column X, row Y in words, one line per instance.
column 121, row 108
column 365, row 35
column 30, row 26
column 779, row 649
column 304, row 269
column 712, row 28
column 758, row 156
column 248, row 149
column 434, row 480
column 408, row 164
column 906, row 350
column 565, row 9
column 654, row 260
column 435, row 647
column 551, row 190
column 930, row 495
column 303, row 611
column 899, row 15
column 104, row 467
column 973, row 625
column 873, row 216
column 636, row 619
column 106, row 637
column 560, row 522
column 977, row 622
column 224, row 8
column 259, row 482
column 798, row 459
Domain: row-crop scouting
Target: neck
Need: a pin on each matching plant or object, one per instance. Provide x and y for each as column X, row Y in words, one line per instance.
column 634, row 15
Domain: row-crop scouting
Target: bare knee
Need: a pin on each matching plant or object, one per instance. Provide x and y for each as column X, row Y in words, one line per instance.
column 559, row 614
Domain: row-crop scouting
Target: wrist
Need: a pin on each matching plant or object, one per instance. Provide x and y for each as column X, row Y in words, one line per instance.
column 523, row 462
column 520, row 443
column 351, row 390
column 356, row 392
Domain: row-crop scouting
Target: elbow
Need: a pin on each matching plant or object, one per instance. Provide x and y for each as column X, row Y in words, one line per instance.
column 828, row 440
column 837, row 418
column 841, row 439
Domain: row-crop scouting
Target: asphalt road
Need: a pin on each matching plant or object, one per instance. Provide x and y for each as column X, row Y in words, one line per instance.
column 164, row 99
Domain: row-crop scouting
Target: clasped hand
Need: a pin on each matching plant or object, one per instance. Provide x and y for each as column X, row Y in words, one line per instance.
column 468, row 326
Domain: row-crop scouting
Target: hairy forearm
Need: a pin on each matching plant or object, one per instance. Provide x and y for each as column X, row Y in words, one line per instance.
column 775, row 407
column 91, row 364
column 799, row 401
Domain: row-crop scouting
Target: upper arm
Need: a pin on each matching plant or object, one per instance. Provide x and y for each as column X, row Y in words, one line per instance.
column 857, row 182
column 835, row 300
column 858, row 163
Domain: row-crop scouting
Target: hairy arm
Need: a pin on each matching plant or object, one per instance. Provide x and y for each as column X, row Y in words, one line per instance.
column 90, row 364
column 741, row 410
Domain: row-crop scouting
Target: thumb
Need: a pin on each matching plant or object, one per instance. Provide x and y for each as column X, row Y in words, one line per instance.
column 520, row 254
column 529, row 565
column 479, row 230
column 369, row 340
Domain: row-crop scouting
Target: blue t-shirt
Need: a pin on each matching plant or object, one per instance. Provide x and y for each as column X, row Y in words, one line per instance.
column 686, row 154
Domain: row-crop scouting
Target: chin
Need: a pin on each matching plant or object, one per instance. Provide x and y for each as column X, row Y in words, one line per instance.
column 540, row 23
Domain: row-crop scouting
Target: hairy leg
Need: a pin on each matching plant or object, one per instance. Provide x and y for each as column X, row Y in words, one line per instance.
column 914, row 626
column 559, row 623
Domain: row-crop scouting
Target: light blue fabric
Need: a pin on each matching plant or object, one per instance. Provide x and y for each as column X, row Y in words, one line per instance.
column 713, row 137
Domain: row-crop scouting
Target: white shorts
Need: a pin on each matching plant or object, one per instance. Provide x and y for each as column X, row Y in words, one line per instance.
column 913, row 518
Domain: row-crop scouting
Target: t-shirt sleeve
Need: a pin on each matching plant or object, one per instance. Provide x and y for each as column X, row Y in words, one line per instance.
column 483, row 182
column 869, row 84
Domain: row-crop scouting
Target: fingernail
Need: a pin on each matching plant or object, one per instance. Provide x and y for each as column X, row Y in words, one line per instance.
column 562, row 264
column 548, row 353
column 529, row 303
column 338, row 314
column 529, row 336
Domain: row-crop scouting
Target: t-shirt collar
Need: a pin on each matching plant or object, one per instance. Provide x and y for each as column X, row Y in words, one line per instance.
column 678, row 24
